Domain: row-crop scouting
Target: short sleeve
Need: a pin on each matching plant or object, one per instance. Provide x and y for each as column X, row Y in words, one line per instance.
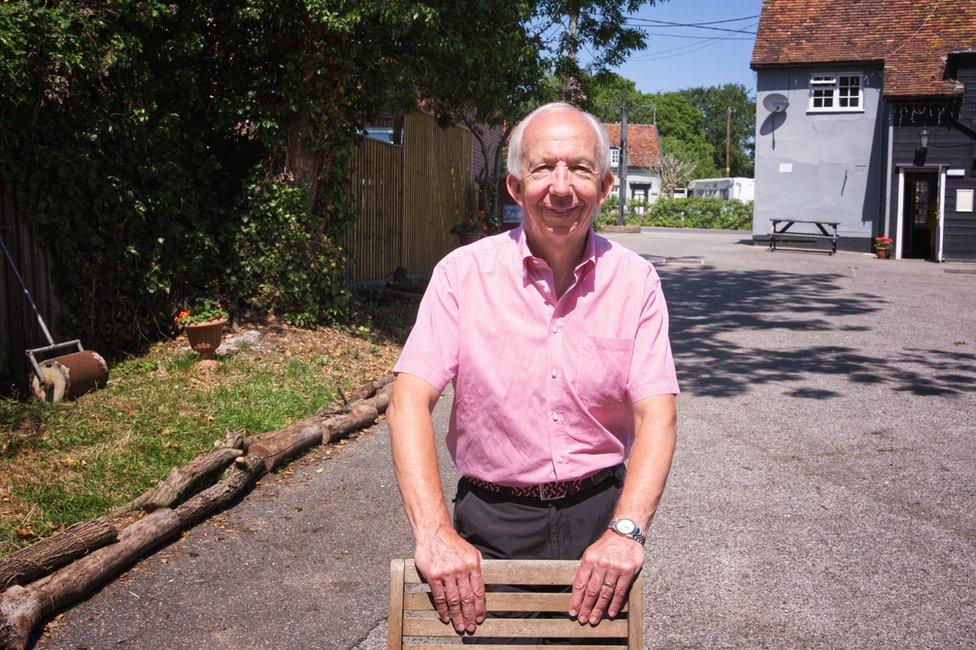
column 431, row 351
column 652, row 366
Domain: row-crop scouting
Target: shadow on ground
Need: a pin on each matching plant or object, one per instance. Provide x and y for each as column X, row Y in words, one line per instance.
column 708, row 306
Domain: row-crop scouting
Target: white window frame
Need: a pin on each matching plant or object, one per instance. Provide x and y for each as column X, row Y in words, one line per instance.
column 831, row 82
column 614, row 157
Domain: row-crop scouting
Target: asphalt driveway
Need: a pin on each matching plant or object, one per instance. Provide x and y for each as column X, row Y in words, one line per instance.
column 822, row 492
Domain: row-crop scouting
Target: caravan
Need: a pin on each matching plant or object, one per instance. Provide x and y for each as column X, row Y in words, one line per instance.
column 740, row 189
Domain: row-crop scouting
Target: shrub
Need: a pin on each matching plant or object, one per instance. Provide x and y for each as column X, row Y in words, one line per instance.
column 682, row 213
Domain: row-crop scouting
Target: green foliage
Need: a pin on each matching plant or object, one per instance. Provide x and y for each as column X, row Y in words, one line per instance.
column 172, row 149
column 285, row 262
column 712, row 103
column 682, row 213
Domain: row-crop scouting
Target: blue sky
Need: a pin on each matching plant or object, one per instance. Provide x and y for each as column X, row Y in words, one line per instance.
column 672, row 62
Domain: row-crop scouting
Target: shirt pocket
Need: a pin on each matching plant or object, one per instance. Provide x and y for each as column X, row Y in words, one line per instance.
column 602, row 371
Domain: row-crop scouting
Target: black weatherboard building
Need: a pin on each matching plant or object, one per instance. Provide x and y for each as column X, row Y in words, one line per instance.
column 877, row 128
column 933, row 180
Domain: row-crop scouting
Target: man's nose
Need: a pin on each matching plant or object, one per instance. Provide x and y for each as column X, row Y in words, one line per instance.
column 560, row 180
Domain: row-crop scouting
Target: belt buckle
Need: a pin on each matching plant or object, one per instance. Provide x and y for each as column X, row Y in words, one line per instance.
column 544, row 494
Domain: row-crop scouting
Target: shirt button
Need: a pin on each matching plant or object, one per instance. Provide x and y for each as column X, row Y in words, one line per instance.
column 555, row 417
column 555, row 330
column 554, row 374
column 559, row 459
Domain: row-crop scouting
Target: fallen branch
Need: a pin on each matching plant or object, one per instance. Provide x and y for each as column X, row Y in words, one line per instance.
column 21, row 608
column 180, row 479
column 369, row 389
column 245, row 472
column 43, row 557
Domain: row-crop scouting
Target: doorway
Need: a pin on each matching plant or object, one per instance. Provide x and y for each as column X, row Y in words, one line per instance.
column 920, row 220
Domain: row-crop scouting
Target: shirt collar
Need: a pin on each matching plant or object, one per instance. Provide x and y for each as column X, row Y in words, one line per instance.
column 528, row 259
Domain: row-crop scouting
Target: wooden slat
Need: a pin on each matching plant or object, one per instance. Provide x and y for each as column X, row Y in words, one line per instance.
column 635, row 601
column 419, row 601
column 519, row 627
column 394, row 634
column 455, row 646
column 516, row 572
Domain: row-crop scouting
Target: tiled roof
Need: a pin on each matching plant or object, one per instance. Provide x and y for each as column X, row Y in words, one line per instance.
column 910, row 37
column 643, row 149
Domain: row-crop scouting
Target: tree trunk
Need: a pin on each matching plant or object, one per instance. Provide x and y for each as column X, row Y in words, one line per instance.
column 39, row 559
column 246, row 471
column 22, row 608
column 180, row 479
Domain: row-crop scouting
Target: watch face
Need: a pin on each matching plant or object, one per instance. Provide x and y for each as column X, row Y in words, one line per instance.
column 625, row 526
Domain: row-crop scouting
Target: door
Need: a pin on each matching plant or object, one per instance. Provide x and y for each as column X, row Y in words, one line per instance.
column 920, row 221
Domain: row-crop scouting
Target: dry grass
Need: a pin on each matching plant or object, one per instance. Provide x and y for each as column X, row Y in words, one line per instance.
column 64, row 463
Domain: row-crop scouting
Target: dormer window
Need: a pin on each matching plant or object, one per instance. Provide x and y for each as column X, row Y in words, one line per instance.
column 836, row 93
column 614, row 157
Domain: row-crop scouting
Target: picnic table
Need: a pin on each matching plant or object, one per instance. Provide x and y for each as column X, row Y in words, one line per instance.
column 782, row 234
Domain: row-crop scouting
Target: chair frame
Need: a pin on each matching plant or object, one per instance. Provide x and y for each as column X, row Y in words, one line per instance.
column 412, row 613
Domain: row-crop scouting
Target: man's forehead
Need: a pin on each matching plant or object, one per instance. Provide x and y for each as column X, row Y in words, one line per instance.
column 559, row 132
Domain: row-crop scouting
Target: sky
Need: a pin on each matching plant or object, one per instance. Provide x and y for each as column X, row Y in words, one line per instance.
column 671, row 61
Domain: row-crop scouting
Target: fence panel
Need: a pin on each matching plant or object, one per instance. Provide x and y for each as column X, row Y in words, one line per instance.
column 438, row 189
column 377, row 187
column 18, row 326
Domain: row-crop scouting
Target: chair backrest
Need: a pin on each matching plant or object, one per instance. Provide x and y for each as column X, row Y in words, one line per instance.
column 412, row 613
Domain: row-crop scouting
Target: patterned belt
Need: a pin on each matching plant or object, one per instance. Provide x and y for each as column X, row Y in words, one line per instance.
column 549, row 491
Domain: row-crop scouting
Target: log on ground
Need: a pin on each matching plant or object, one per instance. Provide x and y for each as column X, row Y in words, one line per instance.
column 22, row 608
column 181, row 478
column 368, row 390
column 43, row 557
column 245, row 472
column 277, row 447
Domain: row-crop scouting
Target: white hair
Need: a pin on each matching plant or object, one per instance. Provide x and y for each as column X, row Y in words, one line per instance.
column 514, row 159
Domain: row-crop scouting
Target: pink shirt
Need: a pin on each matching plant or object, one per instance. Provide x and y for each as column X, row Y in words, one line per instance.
column 543, row 387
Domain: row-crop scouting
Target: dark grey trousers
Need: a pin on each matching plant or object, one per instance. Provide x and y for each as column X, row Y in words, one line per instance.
column 512, row 528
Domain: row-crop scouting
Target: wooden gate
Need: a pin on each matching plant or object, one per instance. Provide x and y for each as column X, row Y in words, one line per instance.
column 409, row 198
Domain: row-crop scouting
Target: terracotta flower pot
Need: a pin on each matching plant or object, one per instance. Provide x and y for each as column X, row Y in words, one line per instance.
column 205, row 338
column 882, row 253
column 466, row 238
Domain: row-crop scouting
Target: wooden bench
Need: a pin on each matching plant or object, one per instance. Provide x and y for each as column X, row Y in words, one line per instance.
column 412, row 611
column 783, row 234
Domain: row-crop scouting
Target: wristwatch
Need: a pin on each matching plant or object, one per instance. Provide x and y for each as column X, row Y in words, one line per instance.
column 628, row 528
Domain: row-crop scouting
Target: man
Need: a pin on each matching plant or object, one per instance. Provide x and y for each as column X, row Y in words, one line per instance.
column 557, row 343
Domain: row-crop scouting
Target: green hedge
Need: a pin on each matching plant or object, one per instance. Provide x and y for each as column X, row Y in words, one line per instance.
column 682, row 213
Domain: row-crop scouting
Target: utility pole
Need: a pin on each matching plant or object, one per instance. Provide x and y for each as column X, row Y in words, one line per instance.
column 728, row 141
column 569, row 84
column 622, row 166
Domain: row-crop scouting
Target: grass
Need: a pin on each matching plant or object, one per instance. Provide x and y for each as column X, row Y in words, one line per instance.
column 73, row 461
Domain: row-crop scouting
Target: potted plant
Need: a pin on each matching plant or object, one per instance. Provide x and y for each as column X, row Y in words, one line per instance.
column 473, row 228
column 882, row 246
column 204, row 324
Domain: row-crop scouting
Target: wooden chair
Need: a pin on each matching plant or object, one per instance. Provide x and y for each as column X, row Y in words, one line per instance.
column 412, row 612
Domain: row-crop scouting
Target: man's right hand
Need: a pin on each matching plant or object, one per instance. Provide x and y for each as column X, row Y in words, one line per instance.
column 452, row 568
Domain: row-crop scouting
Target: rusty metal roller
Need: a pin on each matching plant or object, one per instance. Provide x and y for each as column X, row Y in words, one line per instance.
column 70, row 375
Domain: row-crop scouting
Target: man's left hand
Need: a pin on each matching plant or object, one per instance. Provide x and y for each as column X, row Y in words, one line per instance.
column 606, row 570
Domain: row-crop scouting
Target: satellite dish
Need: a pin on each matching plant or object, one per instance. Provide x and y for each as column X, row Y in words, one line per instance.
column 776, row 103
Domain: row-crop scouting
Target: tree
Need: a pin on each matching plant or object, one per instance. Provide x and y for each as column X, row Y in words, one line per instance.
column 675, row 173
column 712, row 103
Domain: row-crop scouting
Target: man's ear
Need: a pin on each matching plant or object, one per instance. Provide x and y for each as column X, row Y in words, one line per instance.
column 605, row 187
column 514, row 186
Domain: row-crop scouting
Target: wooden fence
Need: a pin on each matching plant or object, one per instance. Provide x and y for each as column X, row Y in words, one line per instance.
column 18, row 325
column 409, row 196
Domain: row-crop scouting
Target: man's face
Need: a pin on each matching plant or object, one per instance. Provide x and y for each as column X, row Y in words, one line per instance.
column 560, row 189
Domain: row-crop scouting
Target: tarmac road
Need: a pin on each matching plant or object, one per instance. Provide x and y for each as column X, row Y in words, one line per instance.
column 822, row 491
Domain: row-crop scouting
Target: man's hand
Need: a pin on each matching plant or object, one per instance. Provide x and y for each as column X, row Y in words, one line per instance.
column 452, row 568
column 606, row 570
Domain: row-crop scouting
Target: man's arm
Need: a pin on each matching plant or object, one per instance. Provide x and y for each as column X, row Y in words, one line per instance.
column 451, row 566
column 609, row 565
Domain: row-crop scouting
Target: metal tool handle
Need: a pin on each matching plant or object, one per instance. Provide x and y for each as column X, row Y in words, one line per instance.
column 23, row 285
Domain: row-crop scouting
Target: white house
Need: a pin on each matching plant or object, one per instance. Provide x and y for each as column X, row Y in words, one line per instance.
column 643, row 161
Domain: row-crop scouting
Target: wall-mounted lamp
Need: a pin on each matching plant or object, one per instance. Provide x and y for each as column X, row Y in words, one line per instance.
column 924, row 135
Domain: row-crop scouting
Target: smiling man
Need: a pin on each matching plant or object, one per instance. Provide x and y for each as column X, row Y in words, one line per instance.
column 556, row 341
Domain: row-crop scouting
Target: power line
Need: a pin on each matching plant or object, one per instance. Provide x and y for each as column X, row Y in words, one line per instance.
column 664, row 23
column 684, row 49
column 700, row 38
